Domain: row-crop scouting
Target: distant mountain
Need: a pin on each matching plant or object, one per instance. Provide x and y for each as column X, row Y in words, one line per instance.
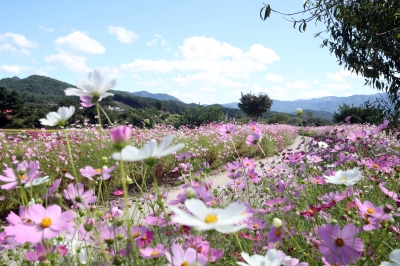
column 328, row 104
column 231, row 105
column 157, row 96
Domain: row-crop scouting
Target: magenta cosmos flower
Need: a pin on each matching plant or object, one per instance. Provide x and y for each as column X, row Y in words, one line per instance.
column 25, row 173
column 340, row 246
column 90, row 173
column 42, row 224
column 181, row 257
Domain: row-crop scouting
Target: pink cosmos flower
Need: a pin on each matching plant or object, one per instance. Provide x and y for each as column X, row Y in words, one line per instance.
column 201, row 246
column 120, row 134
column 248, row 163
column 181, row 257
column 227, row 129
column 253, row 175
column 253, row 139
column 118, row 192
column 340, row 246
column 24, row 173
column 53, row 187
column 40, row 254
column 42, row 224
column 151, row 253
column 78, row 196
column 90, row 173
column 377, row 164
column 357, row 136
column 256, row 223
column 254, row 127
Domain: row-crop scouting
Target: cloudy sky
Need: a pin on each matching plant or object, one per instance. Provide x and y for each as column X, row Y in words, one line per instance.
column 199, row 51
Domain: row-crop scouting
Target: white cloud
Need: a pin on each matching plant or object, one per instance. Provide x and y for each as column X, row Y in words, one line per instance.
column 8, row 48
column 298, row 84
column 80, row 42
column 152, row 83
column 314, row 94
column 45, row 29
column 339, row 76
column 139, row 65
column 157, row 40
column 20, row 40
column 75, row 63
column 336, row 86
column 273, row 78
column 42, row 73
column 207, row 89
column 123, row 35
column 10, row 69
column 110, row 72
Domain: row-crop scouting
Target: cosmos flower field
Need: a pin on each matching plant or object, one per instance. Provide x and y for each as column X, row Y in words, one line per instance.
column 333, row 200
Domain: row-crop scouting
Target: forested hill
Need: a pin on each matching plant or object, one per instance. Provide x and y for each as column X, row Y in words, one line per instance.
column 38, row 89
column 44, row 91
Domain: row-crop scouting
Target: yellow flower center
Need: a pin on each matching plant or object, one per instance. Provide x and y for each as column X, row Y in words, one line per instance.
column 155, row 252
column 144, row 237
column 278, row 233
column 211, row 218
column 98, row 171
column 339, row 242
column 185, row 263
column 46, row 222
column 370, row 211
column 343, row 179
column 255, row 226
column 136, row 234
column 254, row 128
column 21, row 177
column 367, row 221
column 199, row 250
column 375, row 165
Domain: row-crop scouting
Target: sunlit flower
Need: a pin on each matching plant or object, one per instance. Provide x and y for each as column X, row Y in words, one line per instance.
column 348, row 178
column 91, row 90
column 204, row 218
column 59, row 118
column 394, row 256
column 149, row 150
column 272, row 258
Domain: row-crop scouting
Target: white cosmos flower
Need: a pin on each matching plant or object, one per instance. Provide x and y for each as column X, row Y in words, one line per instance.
column 37, row 181
column 59, row 118
column 348, row 178
column 149, row 150
column 272, row 258
column 92, row 88
column 393, row 256
column 204, row 218
column 322, row 145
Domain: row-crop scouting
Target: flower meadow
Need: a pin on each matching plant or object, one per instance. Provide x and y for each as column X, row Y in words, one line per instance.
column 93, row 196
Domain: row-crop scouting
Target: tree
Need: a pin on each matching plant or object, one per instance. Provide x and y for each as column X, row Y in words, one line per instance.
column 359, row 115
column 279, row 118
column 364, row 35
column 254, row 105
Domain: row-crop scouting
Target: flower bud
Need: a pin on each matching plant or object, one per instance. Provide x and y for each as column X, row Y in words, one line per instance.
column 299, row 111
column 87, row 227
column 334, row 222
column 277, row 223
column 388, row 208
column 120, row 136
column 190, row 193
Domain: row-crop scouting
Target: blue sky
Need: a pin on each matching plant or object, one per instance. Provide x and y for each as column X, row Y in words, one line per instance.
column 199, row 51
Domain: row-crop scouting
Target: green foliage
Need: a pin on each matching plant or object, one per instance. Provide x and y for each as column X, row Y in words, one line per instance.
column 361, row 114
column 254, row 105
column 200, row 115
column 279, row 118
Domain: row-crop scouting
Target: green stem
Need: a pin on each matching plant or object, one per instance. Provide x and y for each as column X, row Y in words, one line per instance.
column 105, row 114
column 70, row 155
